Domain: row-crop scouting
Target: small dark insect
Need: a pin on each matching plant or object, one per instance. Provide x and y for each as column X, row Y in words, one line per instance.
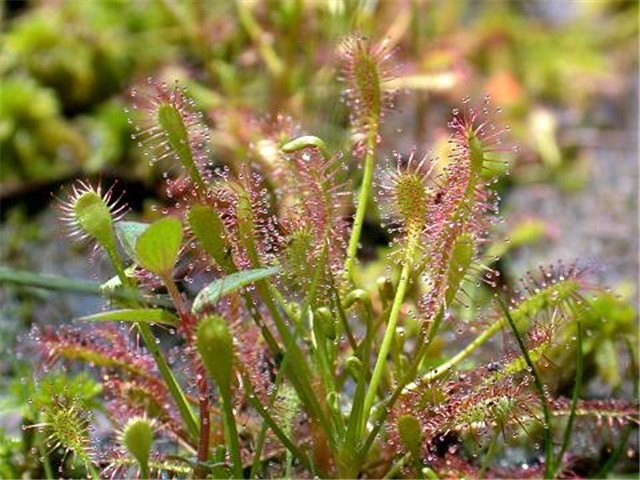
column 494, row 367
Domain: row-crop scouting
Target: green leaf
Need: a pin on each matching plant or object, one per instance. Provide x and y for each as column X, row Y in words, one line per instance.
column 247, row 226
column 158, row 246
column 128, row 233
column 137, row 437
column 221, row 287
column 147, row 315
column 215, row 345
column 461, row 259
column 410, row 433
column 208, row 228
column 172, row 123
column 94, row 217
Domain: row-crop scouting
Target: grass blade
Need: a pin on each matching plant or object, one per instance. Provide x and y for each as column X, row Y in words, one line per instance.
column 145, row 315
column 221, row 287
column 548, row 437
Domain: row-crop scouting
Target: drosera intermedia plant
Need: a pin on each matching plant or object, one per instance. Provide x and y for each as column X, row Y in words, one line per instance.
column 285, row 362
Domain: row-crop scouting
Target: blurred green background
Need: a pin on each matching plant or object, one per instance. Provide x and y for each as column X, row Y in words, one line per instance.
column 565, row 74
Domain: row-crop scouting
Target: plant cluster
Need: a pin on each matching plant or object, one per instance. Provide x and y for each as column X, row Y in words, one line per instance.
column 240, row 340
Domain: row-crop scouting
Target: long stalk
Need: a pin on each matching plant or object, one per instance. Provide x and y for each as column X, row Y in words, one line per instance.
column 548, row 437
column 231, row 432
column 363, row 199
column 269, row 420
column 144, row 470
column 262, row 436
column 167, row 375
column 400, row 388
column 272, row 398
column 575, row 397
column 396, row 467
column 355, row 424
column 342, row 316
column 391, row 327
column 461, row 355
column 299, row 372
column 44, row 456
column 488, row 454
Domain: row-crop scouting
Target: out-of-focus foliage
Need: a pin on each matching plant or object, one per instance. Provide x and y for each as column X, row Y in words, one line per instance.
column 76, row 58
column 33, row 132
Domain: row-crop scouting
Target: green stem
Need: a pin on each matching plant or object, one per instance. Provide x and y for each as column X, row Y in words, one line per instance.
column 363, row 199
column 460, row 356
column 172, row 384
column 396, row 467
column 262, row 436
column 323, row 361
column 150, row 342
column 288, row 462
column 272, row 344
column 93, row 472
column 273, row 396
column 231, row 432
column 421, row 351
column 44, row 455
column 271, row 59
column 390, row 331
column 400, row 389
column 319, row 341
column 342, row 315
column 575, row 397
column 489, row 454
column 548, row 437
column 355, row 425
column 299, row 372
column 144, row 471
column 269, row 420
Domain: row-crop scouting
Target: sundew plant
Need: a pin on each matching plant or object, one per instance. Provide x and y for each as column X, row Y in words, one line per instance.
column 239, row 339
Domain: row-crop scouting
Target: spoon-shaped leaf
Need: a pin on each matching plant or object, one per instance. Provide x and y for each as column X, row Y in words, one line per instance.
column 158, row 246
